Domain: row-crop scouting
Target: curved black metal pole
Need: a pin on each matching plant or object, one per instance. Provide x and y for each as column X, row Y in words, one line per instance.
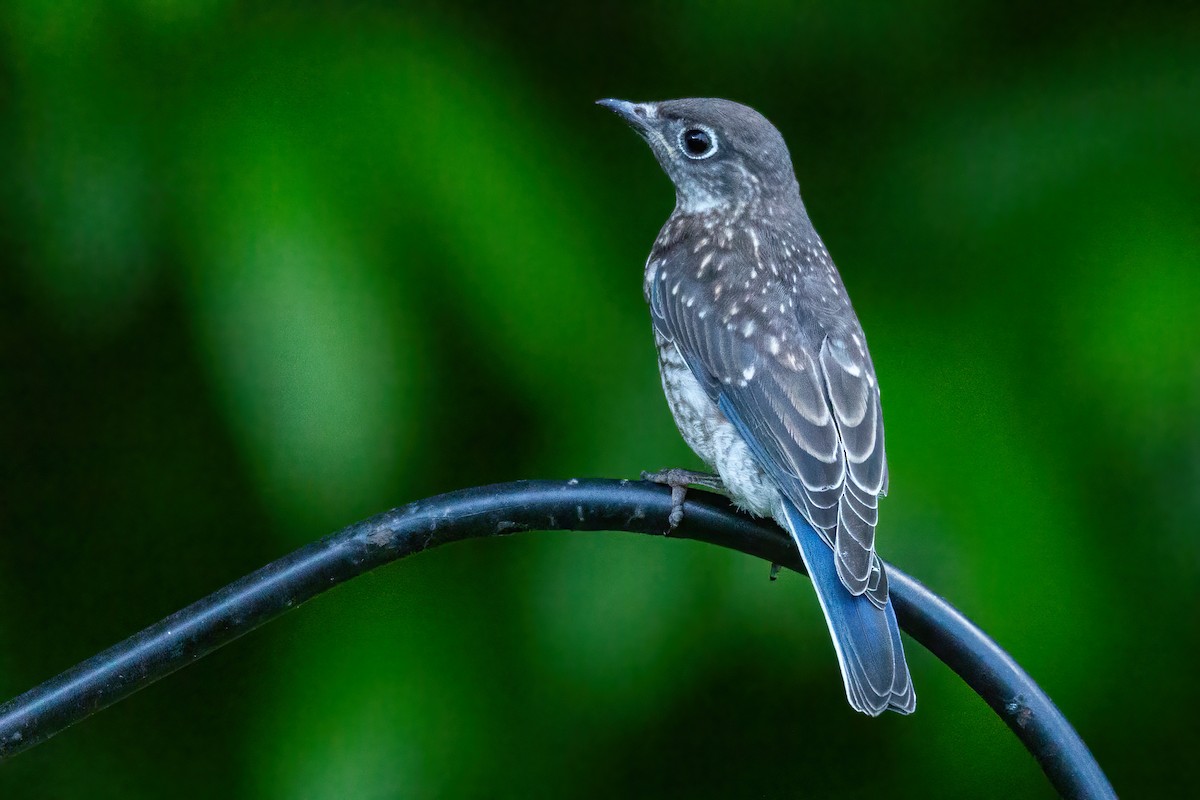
column 587, row 505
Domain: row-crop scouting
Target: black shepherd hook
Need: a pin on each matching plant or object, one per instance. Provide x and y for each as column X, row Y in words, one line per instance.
column 578, row 505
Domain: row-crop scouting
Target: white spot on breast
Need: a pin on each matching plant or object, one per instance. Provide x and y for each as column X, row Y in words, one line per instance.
column 748, row 328
column 748, row 372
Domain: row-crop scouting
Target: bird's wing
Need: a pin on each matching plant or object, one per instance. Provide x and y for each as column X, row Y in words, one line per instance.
column 808, row 406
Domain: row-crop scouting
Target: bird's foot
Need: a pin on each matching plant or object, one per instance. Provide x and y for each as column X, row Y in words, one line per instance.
column 775, row 571
column 679, row 480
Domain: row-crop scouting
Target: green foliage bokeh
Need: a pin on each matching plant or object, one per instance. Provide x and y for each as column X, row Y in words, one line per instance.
column 270, row 268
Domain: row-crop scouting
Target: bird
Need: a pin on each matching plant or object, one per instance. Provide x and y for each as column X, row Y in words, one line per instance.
column 766, row 370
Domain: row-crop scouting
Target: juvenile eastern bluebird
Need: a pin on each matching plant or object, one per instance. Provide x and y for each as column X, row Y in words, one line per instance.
column 766, row 369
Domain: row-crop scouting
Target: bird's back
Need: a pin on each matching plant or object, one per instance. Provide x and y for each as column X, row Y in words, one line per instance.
column 760, row 312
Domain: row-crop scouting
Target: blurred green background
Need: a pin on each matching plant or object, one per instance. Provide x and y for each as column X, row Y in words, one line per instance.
column 270, row 268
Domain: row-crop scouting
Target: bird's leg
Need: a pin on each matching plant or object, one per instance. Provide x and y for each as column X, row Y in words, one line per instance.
column 775, row 570
column 679, row 480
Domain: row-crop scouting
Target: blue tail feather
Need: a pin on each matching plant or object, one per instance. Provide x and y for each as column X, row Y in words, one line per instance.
column 867, row 638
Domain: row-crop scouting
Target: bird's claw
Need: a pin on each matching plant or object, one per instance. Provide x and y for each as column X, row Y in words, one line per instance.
column 679, row 480
column 676, row 515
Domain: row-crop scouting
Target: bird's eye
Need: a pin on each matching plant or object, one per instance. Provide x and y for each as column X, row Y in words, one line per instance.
column 698, row 143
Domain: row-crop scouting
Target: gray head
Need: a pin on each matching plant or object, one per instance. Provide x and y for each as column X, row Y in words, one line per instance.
column 719, row 154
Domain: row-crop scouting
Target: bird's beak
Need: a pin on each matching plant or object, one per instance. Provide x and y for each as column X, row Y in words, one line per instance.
column 638, row 115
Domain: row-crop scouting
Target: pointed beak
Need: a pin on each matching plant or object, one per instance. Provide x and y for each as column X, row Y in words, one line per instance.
column 637, row 115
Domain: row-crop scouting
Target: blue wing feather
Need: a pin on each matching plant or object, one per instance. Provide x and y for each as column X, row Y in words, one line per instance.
column 866, row 637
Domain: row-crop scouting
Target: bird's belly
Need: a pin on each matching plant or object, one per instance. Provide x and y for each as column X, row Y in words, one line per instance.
column 712, row 436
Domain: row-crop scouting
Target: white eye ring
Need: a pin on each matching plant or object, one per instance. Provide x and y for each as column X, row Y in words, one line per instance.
column 698, row 133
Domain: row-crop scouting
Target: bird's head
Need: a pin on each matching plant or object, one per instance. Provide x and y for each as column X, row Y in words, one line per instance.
column 718, row 153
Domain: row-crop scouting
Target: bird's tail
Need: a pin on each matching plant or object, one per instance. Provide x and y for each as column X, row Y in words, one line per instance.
column 867, row 639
